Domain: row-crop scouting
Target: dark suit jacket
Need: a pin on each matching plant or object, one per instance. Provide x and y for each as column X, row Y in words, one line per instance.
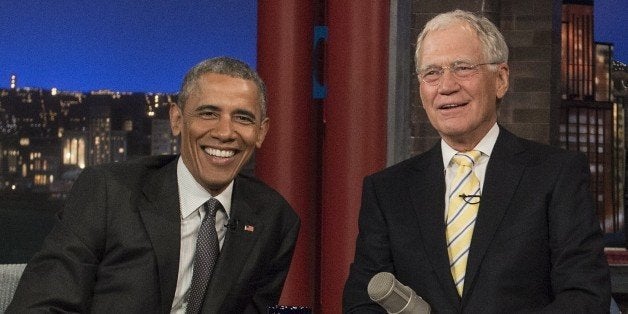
column 537, row 244
column 115, row 247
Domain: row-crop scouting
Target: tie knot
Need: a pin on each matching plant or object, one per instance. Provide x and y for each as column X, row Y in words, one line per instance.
column 467, row 159
column 212, row 206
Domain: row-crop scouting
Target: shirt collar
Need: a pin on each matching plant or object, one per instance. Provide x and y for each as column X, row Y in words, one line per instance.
column 485, row 146
column 192, row 195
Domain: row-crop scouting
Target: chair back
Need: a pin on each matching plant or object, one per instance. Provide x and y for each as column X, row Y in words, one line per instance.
column 9, row 277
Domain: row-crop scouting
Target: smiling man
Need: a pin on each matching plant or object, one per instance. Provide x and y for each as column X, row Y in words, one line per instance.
column 174, row 234
column 485, row 221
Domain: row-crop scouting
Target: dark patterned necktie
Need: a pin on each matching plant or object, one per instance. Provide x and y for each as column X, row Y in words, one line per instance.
column 207, row 250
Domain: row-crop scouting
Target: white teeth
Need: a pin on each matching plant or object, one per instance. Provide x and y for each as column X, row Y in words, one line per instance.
column 449, row 106
column 219, row 152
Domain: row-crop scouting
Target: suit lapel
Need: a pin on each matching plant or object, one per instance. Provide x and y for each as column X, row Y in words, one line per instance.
column 238, row 245
column 503, row 173
column 427, row 188
column 161, row 216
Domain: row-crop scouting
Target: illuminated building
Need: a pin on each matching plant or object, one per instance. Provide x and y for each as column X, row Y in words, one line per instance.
column 590, row 121
column 99, row 142
column 118, row 145
column 74, row 149
column 162, row 140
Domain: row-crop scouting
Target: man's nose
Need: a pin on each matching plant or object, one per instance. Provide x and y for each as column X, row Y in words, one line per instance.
column 223, row 129
column 448, row 82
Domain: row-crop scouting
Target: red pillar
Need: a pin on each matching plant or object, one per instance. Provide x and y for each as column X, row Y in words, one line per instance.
column 355, row 112
column 288, row 159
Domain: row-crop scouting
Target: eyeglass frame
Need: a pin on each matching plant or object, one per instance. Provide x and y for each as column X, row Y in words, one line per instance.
column 470, row 198
column 451, row 68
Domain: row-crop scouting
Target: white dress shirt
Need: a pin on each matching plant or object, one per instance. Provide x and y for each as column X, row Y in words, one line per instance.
column 192, row 196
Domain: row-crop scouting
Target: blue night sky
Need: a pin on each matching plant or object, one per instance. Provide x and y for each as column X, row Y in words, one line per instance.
column 122, row 45
column 147, row 45
column 610, row 20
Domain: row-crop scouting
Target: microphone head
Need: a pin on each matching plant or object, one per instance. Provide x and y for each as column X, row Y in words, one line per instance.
column 388, row 292
column 395, row 297
column 380, row 285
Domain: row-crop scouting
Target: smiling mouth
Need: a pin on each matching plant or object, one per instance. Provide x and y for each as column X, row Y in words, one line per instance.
column 452, row 106
column 222, row 153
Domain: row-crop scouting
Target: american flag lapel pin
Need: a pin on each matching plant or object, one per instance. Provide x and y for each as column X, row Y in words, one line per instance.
column 249, row 228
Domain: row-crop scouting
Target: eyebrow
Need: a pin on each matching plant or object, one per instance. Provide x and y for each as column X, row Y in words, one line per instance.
column 434, row 65
column 207, row 107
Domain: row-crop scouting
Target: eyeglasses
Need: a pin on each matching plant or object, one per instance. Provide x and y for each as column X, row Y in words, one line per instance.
column 460, row 70
column 470, row 198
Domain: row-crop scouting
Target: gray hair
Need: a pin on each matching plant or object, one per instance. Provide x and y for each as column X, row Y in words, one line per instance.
column 494, row 46
column 226, row 66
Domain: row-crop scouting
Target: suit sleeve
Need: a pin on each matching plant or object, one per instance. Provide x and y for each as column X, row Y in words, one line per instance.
column 579, row 271
column 268, row 293
column 372, row 254
column 61, row 276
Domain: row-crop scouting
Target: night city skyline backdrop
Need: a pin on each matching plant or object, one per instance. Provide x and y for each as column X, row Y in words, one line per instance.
column 146, row 46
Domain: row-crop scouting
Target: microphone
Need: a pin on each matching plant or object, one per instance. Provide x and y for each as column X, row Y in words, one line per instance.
column 232, row 224
column 394, row 297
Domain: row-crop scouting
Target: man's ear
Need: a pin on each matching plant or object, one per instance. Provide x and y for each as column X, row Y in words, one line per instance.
column 501, row 80
column 176, row 119
column 261, row 135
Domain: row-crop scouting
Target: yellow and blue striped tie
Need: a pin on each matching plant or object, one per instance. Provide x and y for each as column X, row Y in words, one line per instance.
column 464, row 201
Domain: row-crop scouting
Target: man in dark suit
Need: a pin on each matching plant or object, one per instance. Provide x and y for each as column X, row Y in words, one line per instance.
column 126, row 239
column 533, row 241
